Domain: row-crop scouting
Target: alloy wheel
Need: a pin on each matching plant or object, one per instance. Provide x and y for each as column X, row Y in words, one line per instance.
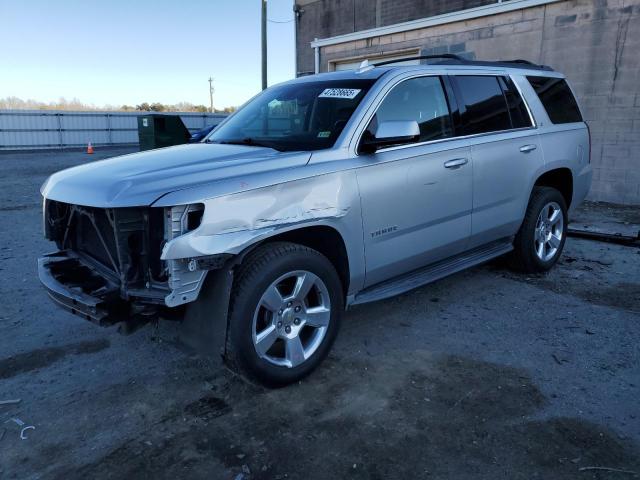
column 549, row 231
column 291, row 319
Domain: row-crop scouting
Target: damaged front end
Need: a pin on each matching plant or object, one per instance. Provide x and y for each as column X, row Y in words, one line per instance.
column 109, row 267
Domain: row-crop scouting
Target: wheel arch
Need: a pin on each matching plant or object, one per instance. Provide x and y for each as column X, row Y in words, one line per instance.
column 559, row 178
column 324, row 238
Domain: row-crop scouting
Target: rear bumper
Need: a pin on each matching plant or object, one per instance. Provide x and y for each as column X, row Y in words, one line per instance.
column 75, row 287
column 581, row 186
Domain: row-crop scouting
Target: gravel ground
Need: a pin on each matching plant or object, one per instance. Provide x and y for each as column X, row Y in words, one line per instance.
column 485, row 374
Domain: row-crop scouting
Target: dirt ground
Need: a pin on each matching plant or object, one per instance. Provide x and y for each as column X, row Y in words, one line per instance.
column 486, row 374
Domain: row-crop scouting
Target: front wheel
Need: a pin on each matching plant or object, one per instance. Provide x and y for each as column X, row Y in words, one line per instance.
column 285, row 313
column 541, row 237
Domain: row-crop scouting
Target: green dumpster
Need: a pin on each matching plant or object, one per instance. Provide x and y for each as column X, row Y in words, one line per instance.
column 157, row 130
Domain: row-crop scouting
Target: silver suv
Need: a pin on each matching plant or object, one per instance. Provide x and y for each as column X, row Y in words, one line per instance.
column 321, row 193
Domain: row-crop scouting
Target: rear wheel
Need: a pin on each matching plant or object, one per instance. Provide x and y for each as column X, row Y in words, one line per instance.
column 285, row 313
column 541, row 237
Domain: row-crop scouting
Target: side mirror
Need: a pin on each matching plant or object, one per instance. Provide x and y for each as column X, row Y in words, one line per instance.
column 391, row 132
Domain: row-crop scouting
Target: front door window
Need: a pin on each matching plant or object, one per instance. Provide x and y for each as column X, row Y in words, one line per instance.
column 421, row 99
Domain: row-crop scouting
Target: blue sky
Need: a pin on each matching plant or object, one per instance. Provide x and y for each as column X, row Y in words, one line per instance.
column 126, row 52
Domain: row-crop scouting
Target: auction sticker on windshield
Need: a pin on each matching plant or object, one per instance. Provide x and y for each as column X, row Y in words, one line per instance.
column 349, row 93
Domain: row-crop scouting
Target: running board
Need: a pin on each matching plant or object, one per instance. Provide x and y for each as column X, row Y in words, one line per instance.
column 433, row 272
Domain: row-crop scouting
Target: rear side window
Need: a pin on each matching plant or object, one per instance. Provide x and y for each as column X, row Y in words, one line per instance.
column 484, row 108
column 517, row 109
column 557, row 99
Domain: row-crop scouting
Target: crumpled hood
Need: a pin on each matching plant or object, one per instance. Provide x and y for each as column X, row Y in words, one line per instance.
column 138, row 179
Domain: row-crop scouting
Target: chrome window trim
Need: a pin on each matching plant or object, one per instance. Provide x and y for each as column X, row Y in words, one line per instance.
column 462, row 137
column 448, row 139
column 524, row 99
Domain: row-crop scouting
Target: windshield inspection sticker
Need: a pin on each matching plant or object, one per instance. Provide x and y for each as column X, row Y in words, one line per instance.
column 324, row 134
column 348, row 93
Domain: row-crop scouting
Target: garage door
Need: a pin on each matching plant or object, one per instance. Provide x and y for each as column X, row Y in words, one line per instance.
column 354, row 64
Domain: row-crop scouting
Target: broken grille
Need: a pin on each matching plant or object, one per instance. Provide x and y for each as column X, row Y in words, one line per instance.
column 124, row 242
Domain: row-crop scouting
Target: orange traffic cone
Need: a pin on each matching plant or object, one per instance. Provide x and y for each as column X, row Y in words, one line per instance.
column 89, row 148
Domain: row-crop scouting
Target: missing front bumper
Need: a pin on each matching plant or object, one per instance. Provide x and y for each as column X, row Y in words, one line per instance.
column 83, row 288
column 77, row 288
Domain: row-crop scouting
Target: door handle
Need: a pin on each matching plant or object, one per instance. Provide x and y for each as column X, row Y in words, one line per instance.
column 528, row 148
column 455, row 163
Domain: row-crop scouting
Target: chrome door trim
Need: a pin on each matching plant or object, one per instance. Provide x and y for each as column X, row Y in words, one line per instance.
column 377, row 102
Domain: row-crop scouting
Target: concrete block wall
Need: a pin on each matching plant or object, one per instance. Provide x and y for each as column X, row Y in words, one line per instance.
column 595, row 43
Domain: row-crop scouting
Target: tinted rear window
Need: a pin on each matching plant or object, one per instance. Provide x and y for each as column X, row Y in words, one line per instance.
column 557, row 99
column 517, row 109
column 484, row 106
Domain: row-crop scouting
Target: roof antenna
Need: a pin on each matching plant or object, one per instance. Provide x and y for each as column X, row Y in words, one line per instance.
column 365, row 66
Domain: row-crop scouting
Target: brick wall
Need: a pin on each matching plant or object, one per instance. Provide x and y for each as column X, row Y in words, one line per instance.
column 328, row 18
column 595, row 43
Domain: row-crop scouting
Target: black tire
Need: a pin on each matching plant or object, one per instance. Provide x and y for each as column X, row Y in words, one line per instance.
column 258, row 271
column 524, row 257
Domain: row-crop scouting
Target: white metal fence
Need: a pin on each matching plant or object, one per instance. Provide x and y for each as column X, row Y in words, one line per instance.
column 35, row 129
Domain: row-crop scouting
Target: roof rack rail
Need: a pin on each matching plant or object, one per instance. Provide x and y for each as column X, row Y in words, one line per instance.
column 519, row 60
column 450, row 57
column 422, row 57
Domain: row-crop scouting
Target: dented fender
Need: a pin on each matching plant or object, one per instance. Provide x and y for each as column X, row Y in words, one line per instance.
column 231, row 223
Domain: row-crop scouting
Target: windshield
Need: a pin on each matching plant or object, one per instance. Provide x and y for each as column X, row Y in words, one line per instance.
column 297, row 116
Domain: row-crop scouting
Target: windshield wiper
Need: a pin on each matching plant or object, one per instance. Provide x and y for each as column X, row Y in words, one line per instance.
column 252, row 142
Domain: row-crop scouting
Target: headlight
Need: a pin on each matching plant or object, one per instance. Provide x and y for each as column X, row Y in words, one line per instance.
column 185, row 218
column 193, row 217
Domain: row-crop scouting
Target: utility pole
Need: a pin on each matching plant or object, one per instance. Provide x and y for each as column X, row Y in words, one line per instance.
column 211, row 90
column 297, row 11
column 264, row 44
